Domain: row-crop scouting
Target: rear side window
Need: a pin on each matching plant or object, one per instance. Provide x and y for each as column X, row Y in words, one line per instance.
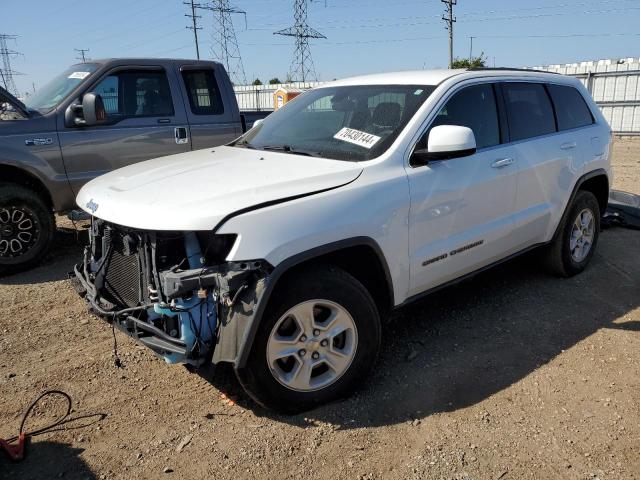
column 473, row 107
column 529, row 110
column 203, row 92
column 571, row 109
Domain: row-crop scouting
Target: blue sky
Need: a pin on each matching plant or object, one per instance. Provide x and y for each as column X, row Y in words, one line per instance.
column 362, row 36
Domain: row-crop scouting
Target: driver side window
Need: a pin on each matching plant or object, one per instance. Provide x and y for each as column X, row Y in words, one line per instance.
column 473, row 107
column 136, row 93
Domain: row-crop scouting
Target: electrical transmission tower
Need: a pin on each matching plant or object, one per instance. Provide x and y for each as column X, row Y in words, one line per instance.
column 450, row 20
column 194, row 21
column 82, row 52
column 302, row 67
column 6, row 72
column 225, row 48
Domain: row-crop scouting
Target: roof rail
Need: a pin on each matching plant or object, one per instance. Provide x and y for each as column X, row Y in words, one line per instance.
column 509, row 69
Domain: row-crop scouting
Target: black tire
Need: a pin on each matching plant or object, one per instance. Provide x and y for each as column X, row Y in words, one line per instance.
column 16, row 254
column 558, row 258
column 326, row 283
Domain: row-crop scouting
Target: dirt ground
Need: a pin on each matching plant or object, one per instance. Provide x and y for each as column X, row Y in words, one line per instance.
column 512, row 375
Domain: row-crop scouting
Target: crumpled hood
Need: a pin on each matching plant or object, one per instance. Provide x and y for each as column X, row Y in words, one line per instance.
column 196, row 190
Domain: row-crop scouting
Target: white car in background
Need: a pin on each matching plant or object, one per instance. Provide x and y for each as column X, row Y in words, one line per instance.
column 281, row 251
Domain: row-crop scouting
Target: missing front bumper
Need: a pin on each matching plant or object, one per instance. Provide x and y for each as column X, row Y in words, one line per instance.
column 189, row 316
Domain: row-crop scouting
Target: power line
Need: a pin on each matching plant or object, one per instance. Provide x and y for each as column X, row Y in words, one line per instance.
column 6, row 72
column 225, row 47
column 194, row 20
column 302, row 67
column 82, row 53
column 450, row 20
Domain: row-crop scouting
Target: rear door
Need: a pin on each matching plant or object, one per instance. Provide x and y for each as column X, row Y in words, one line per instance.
column 550, row 157
column 210, row 104
column 461, row 209
column 147, row 120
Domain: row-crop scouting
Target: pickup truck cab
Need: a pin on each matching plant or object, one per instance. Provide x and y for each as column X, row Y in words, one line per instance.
column 281, row 251
column 93, row 118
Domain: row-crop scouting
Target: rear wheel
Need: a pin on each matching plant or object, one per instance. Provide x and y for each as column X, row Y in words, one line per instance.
column 27, row 227
column 318, row 339
column 570, row 253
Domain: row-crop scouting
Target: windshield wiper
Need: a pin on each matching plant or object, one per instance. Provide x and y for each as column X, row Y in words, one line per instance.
column 289, row 149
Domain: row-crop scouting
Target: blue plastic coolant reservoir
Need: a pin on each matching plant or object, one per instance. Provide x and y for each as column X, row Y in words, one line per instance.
column 196, row 316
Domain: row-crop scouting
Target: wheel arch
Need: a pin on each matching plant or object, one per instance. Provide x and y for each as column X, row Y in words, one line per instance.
column 19, row 176
column 361, row 257
column 596, row 182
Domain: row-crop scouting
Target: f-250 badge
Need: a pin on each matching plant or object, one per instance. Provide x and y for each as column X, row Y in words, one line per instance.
column 30, row 142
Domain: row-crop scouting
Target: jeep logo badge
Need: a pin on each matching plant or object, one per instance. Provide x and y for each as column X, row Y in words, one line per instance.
column 91, row 205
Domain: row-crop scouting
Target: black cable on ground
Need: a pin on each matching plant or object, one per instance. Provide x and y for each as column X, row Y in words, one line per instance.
column 48, row 427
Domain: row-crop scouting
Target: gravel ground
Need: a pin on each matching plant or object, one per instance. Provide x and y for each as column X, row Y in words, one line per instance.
column 512, row 375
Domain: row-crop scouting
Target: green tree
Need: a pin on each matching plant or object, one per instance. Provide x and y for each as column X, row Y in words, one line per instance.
column 274, row 81
column 257, row 82
column 473, row 62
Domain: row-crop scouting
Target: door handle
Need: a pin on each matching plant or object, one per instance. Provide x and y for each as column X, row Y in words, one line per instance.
column 181, row 135
column 503, row 162
column 568, row 145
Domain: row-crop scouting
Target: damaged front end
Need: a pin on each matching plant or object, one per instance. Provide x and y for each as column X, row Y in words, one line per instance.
column 172, row 291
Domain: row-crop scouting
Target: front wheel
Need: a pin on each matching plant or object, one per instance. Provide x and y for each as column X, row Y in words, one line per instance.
column 576, row 242
column 318, row 339
column 27, row 227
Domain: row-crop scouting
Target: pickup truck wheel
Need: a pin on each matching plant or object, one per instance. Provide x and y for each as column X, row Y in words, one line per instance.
column 319, row 337
column 27, row 227
column 574, row 246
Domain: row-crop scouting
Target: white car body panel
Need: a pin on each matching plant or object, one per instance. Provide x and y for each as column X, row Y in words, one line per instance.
column 413, row 214
column 196, row 190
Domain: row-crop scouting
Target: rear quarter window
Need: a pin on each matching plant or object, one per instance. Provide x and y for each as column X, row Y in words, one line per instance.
column 204, row 94
column 571, row 109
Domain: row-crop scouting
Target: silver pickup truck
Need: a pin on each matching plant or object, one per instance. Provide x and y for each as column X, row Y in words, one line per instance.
column 93, row 118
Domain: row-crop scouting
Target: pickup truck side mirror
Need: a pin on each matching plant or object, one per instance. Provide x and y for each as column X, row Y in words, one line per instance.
column 445, row 142
column 93, row 109
column 90, row 112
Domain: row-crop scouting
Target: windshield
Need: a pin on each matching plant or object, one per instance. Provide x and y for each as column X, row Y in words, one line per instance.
column 355, row 123
column 50, row 96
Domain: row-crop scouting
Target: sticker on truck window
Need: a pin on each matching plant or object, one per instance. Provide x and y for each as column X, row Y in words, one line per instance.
column 357, row 137
column 79, row 75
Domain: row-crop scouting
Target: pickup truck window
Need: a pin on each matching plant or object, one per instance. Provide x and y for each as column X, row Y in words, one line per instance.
column 136, row 93
column 354, row 123
column 203, row 92
column 49, row 96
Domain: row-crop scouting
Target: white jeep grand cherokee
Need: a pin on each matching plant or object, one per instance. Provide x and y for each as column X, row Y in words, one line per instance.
column 281, row 251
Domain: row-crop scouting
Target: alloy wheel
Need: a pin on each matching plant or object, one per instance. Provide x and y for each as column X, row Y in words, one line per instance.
column 582, row 235
column 19, row 231
column 312, row 345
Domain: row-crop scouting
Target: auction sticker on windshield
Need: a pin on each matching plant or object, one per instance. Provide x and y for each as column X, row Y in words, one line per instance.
column 79, row 75
column 357, row 137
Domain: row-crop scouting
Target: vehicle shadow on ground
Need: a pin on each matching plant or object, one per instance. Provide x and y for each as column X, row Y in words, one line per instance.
column 66, row 251
column 461, row 345
column 47, row 459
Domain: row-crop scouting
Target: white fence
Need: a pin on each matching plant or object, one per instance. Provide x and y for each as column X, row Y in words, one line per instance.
column 260, row 97
column 614, row 85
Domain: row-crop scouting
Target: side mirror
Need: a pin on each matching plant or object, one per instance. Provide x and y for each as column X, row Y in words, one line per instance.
column 446, row 142
column 257, row 122
column 93, row 109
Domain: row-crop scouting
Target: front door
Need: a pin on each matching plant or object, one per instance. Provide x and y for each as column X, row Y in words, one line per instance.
column 461, row 209
column 147, row 120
